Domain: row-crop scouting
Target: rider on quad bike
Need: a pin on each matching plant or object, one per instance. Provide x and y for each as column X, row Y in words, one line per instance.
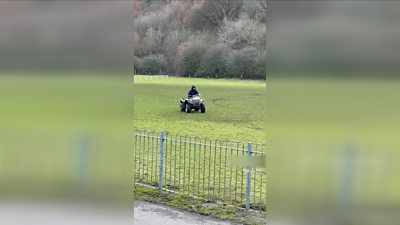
column 193, row 91
column 192, row 102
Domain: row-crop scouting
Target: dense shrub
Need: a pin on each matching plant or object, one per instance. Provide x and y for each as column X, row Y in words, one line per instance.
column 190, row 59
column 153, row 64
column 170, row 48
column 215, row 62
column 259, row 67
column 241, row 62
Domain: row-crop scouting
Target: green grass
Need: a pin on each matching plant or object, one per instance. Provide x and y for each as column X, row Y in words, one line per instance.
column 335, row 110
column 43, row 121
column 310, row 125
column 235, row 110
column 65, row 102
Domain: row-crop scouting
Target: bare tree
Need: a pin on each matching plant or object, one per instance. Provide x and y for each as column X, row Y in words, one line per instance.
column 153, row 40
column 213, row 13
column 263, row 4
column 241, row 33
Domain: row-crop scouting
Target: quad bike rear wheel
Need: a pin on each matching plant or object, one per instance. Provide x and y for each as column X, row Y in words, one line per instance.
column 183, row 107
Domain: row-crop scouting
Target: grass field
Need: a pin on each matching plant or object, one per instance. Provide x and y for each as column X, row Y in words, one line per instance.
column 61, row 136
column 334, row 141
column 235, row 110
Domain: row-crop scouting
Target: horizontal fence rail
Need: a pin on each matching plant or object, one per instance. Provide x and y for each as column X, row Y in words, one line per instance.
column 200, row 167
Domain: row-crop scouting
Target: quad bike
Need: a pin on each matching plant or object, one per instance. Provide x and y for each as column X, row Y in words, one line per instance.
column 192, row 103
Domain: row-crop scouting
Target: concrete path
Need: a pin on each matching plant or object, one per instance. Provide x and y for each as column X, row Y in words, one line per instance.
column 14, row 212
column 151, row 214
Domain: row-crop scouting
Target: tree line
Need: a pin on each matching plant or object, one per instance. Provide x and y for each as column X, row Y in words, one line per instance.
column 200, row 38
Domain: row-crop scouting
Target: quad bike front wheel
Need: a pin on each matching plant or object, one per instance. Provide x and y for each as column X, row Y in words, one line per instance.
column 188, row 108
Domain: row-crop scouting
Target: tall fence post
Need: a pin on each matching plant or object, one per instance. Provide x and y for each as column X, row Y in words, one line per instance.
column 347, row 180
column 82, row 158
column 161, row 159
column 249, row 151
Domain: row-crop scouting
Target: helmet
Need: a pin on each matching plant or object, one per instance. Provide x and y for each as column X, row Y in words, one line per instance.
column 193, row 87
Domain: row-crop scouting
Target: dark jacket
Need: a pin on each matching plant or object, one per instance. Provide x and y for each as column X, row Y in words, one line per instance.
column 193, row 92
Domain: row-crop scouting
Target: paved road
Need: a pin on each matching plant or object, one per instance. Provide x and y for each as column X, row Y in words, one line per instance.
column 14, row 212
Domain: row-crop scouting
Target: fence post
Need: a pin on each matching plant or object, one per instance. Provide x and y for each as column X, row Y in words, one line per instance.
column 347, row 180
column 248, row 181
column 161, row 159
column 82, row 158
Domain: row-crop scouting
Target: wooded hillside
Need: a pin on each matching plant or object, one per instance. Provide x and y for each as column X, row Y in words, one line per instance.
column 200, row 38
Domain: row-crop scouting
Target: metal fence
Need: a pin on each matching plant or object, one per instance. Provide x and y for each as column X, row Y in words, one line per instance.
column 200, row 167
